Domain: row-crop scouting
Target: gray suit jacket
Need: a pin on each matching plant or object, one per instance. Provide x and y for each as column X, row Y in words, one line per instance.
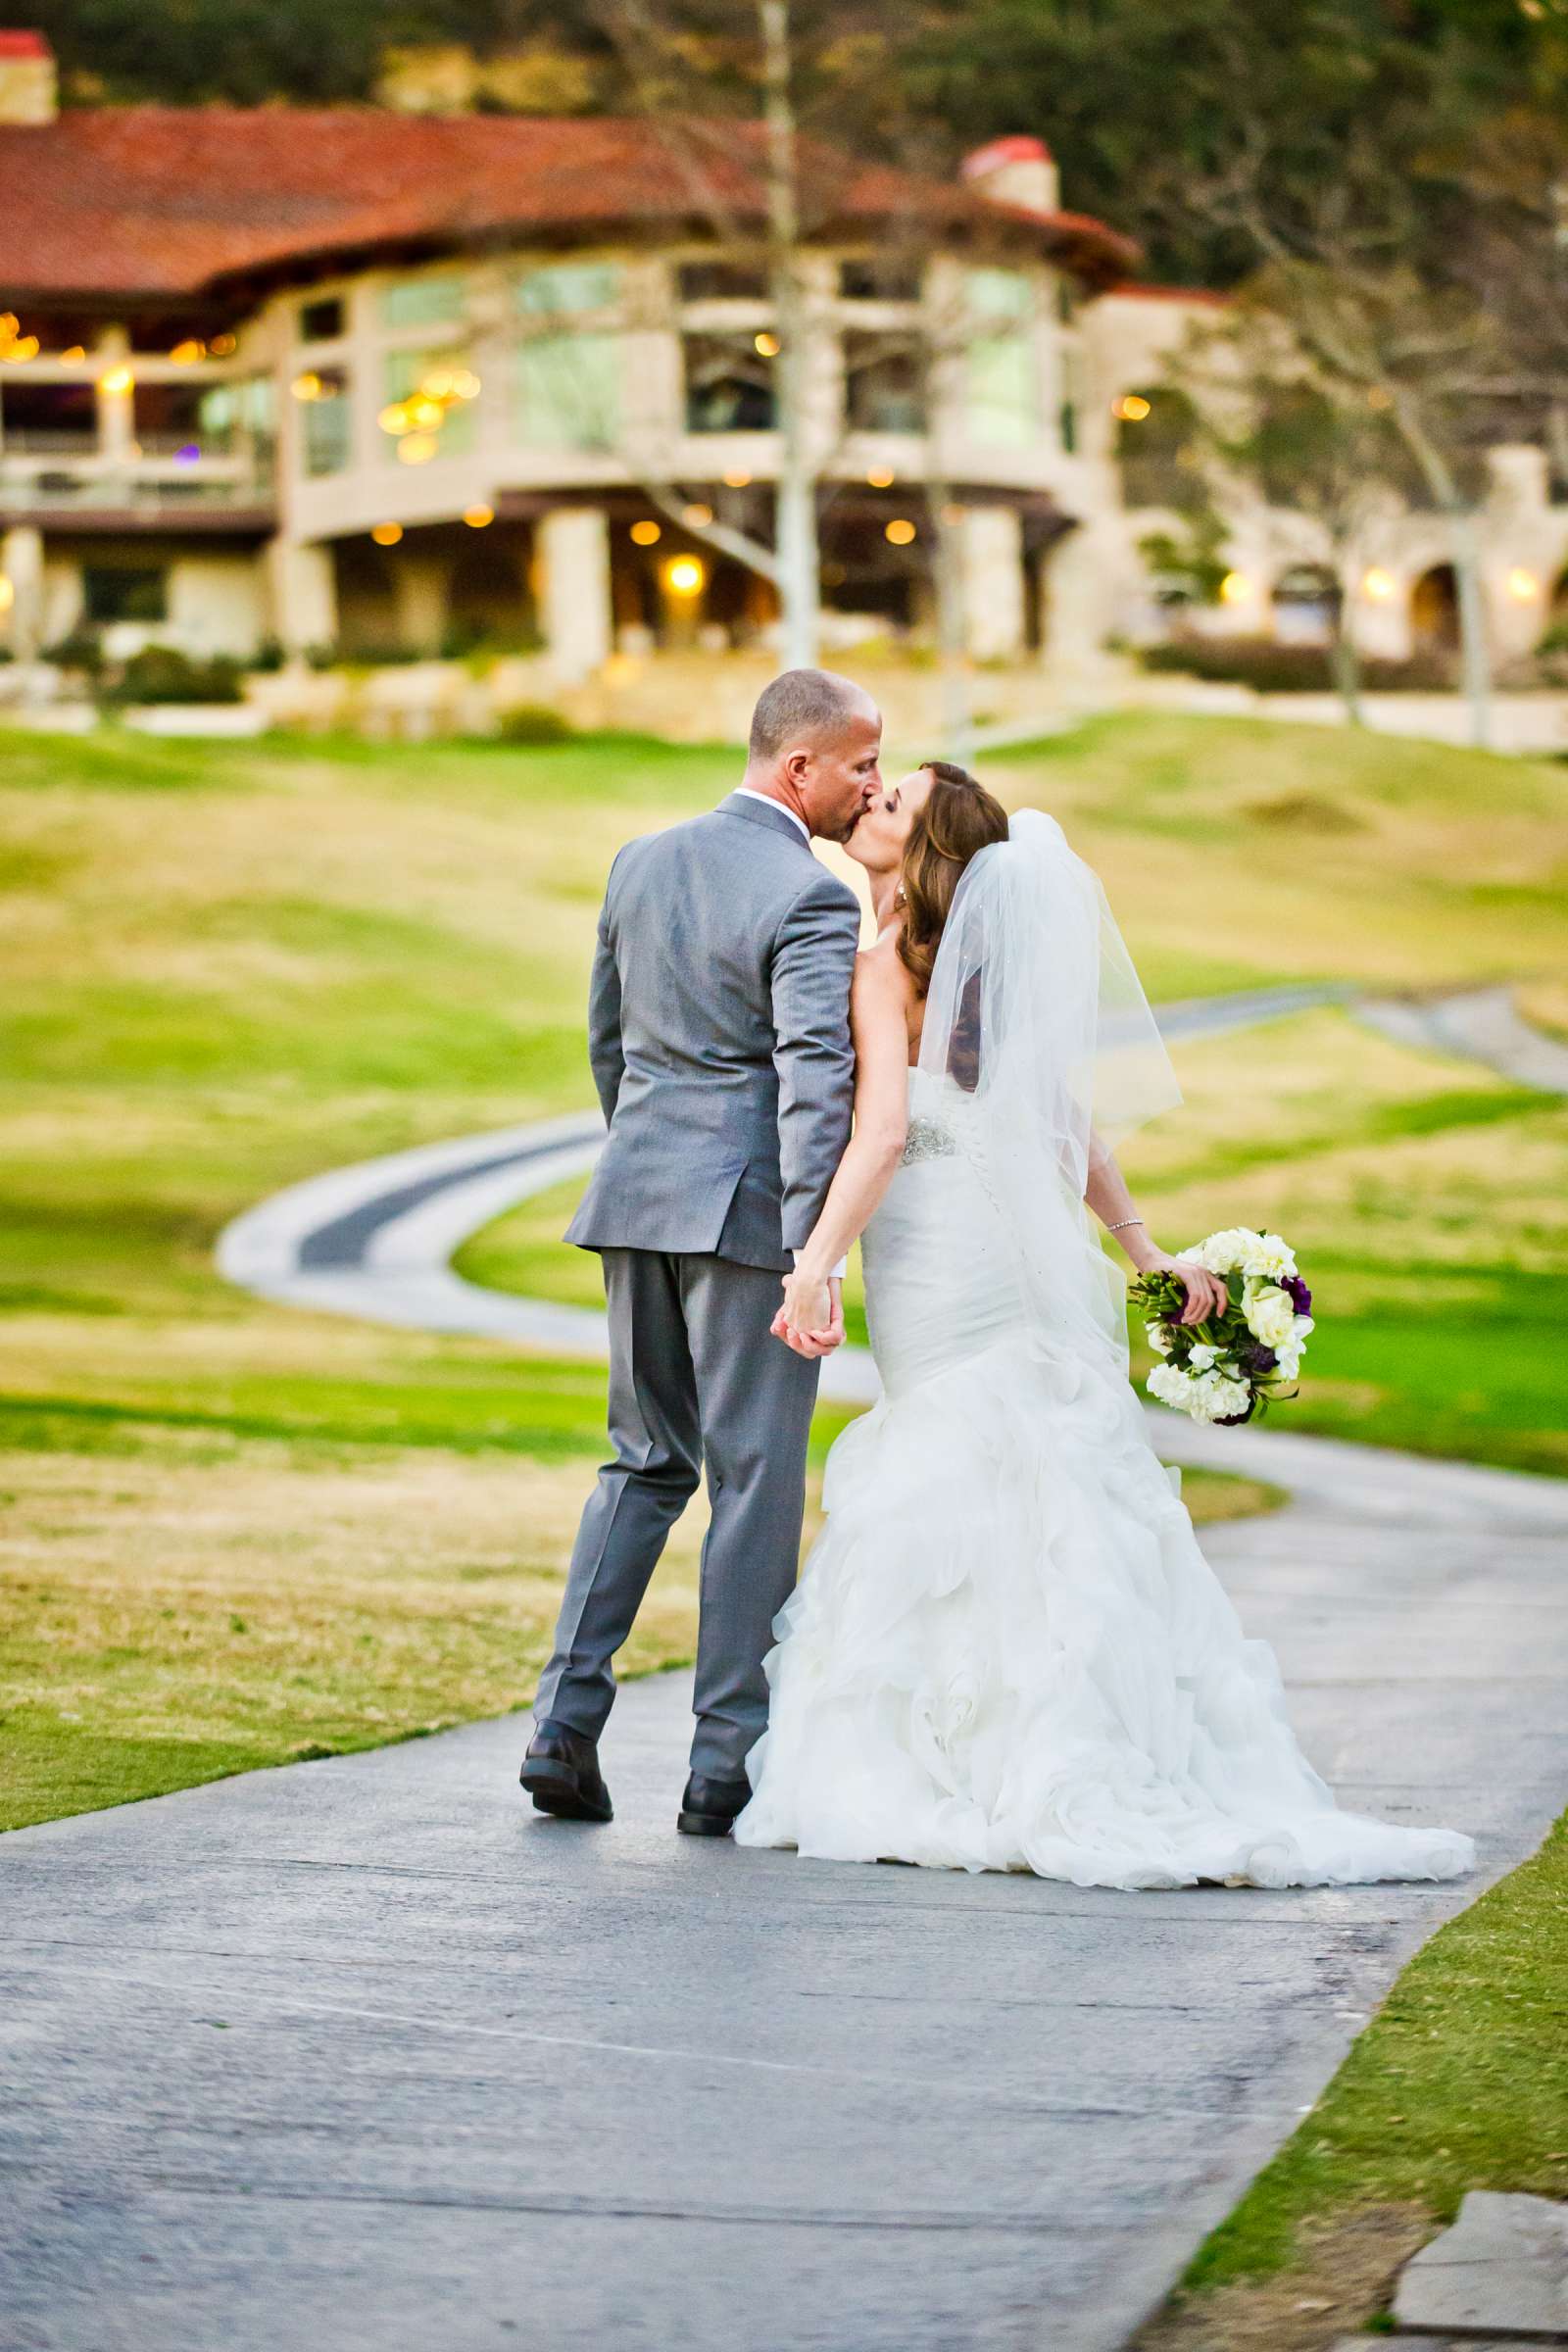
column 719, row 1036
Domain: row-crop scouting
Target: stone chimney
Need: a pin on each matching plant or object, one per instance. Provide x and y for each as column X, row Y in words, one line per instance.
column 28, row 91
column 1019, row 171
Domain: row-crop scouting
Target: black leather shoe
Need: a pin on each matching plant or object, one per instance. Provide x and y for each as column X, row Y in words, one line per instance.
column 561, row 1773
column 709, row 1807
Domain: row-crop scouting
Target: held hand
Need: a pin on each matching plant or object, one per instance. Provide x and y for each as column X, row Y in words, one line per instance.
column 811, row 1318
column 1206, row 1293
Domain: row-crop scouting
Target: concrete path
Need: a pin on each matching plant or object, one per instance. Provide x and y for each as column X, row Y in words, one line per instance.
column 363, row 2055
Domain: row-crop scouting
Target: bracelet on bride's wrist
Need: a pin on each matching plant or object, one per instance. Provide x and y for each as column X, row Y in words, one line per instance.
column 1123, row 1224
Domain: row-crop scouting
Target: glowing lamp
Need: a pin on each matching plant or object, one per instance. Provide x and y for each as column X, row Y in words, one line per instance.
column 1236, row 588
column 697, row 516
column 307, row 386
column 8, row 593
column 1131, row 408
column 477, row 516
column 77, row 351
column 736, row 480
column 387, row 534
column 899, row 532
column 117, row 381
column 1523, row 586
column 684, row 575
column 767, row 345
column 646, row 534
column 222, row 345
column 426, row 414
column 185, row 354
column 880, row 477
column 417, row 449
column 25, row 347
column 395, row 418
column 465, row 384
column 1378, row 584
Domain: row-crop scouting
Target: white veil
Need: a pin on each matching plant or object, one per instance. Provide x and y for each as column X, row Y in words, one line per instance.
column 1041, row 1043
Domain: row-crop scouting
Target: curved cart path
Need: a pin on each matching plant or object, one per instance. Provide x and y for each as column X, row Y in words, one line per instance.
column 364, row 2054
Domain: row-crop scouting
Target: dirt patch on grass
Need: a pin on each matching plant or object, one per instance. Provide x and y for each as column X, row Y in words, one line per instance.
column 1344, row 2275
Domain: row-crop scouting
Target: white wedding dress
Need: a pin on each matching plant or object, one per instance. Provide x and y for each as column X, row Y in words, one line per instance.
column 1006, row 1650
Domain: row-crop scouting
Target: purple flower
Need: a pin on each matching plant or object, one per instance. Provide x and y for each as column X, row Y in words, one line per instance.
column 1300, row 1295
column 1258, row 1359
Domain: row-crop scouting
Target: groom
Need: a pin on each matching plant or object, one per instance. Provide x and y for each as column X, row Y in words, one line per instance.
column 719, row 1033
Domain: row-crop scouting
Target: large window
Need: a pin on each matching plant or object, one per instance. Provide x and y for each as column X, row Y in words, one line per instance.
column 431, row 301
column 569, row 359
column 324, row 427
column 428, row 410
column 729, row 382
column 723, row 281
column 877, row 279
column 1002, row 364
column 884, row 386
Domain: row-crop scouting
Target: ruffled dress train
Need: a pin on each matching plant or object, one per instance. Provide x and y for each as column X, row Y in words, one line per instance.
column 1006, row 1650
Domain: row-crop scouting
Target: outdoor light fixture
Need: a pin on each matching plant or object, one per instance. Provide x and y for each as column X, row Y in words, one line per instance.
column 477, row 516
column 767, row 345
column 76, row 352
column 387, row 534
column 646, row 534
column 1236, row 588
column 899, row 531
column 697, row 515
column 222, row 345
column 116, row 380
column 880, row 477
column 8, row 593
column 1131, row 408
column 1523, row 585
column 1378, row 584
column 307, row 386
column 684, row 575
column 186, row 353
column 417, row 449
column 735, row 481
column 188, row 454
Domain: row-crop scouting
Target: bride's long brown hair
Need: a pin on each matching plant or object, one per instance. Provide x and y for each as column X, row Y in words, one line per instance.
column 956, row 819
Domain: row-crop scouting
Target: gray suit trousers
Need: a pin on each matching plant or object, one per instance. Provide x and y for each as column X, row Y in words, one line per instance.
column 695, row 1380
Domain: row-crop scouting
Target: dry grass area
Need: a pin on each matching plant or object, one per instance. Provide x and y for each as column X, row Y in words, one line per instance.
column 205, row 1604
column 1344, row 2276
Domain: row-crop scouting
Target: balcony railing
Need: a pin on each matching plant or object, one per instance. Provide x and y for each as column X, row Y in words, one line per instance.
column 52, row 441
column 38, row 491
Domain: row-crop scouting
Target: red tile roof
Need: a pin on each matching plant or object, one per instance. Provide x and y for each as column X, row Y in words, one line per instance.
column 157, row 203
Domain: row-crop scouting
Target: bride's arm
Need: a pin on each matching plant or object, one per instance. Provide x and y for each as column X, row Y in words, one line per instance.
column 1112, row 1203
column 877, row 1021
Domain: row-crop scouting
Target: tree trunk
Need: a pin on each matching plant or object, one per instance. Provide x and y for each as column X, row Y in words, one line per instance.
column 799, row 576
column 1344, row 665
column 1474, row 659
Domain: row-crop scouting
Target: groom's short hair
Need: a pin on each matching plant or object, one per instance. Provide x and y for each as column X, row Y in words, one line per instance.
column 799, row 705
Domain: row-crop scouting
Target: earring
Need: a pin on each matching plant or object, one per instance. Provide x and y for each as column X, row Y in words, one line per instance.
column 898, row 898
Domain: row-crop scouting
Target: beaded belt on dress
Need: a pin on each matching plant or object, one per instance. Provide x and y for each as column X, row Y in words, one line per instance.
column 928, row 1139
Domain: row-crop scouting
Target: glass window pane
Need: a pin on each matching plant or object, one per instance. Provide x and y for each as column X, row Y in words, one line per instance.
column 425, row 301
column 567, row 289
column 321, row 321
column 429, row 382
column 567, row 391
column 1003, row 390
column 324, row 427
column 1000, row 293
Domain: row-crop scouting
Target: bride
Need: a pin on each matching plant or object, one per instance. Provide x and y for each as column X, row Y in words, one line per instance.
column 1007, row 1652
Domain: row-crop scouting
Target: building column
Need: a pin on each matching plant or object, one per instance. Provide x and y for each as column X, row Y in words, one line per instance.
column 573, row 550
column 1079, row 590
column 302, row 594
column 990, row 553
column 22, row 568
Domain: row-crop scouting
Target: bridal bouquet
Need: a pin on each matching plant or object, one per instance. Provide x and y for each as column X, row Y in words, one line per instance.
column 1230, row 1367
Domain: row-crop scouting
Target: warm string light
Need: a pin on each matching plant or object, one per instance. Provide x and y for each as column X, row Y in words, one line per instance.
column 646, row 534
column 415, row 420
column 387, row 534
column 899, row 532
column 766, row 345
column 1236, row 588
column 684, row 575
column 1131, row 408
column 476, row 518
column 880, row 477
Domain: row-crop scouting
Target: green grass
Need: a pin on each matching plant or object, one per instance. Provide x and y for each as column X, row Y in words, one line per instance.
column 232, row 966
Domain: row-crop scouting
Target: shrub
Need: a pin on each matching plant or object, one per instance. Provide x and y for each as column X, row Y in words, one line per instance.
column 533, row 722
column 81, row 649
column 162, row 673
column 1270, row 667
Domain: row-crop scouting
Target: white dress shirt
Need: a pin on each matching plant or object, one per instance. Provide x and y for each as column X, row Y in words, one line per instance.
column 744, row 792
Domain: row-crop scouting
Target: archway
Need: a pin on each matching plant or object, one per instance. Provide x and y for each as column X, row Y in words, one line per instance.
column 1435, row 610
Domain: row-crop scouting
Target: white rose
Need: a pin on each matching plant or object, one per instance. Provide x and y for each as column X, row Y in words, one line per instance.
column 1232, row 1397
column 1289, row 1362
column 1158, row 1338
column 1172, row 1386
column 1270, row 1315
column 1269, row 1256
column 1223, row 1253
column 1303, row 1324
column 1204, row 1357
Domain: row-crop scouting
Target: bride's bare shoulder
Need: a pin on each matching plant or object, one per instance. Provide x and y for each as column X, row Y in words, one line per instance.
column 879, row 974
